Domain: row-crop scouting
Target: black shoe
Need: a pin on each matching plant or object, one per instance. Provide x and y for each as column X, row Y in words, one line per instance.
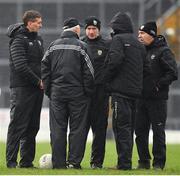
column 11, row 166
column 27, row 166
column 157, row 167
column 96, row 166
column 143, row 164
column 73, row 166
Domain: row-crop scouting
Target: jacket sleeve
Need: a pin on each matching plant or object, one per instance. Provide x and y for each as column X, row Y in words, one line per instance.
column 46, row 72
column 20, row 61
column 87, row 71
column 169, row 68
column 114, row 59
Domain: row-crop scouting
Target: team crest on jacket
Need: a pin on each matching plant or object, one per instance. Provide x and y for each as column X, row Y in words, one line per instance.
column 153, row 56
column 99, row 52
column 30, row 43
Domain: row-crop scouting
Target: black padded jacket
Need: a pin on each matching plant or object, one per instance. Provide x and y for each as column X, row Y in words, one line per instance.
column 99, row 48
column 26, row 53
column 164, row 70
column 67, row 70
column 126, row 63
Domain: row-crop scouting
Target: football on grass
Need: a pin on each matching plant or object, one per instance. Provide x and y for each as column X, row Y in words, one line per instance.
column 45, row 161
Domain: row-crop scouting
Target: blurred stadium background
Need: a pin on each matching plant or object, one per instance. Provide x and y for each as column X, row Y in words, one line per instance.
column 165, row 12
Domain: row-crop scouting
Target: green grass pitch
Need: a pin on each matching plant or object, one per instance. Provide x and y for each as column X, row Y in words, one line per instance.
column 172, row 164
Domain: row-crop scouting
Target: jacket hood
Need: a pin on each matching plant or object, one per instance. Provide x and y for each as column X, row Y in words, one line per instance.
column 159, row 41
column 15, row 29
column 121, row 22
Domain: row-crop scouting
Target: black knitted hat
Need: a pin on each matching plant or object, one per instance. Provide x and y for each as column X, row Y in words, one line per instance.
column 92, row 21
column 150, row 28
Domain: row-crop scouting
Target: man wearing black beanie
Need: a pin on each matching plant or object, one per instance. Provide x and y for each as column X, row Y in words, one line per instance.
column 152, row 108
column 93, row 21
column 149, row 28
column 98, row 119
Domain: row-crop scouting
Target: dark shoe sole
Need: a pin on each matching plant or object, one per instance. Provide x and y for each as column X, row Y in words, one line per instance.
column 11, row 167
column 27, row 167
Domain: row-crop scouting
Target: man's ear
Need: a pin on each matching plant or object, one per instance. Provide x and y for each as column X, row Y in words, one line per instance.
column 29, row 23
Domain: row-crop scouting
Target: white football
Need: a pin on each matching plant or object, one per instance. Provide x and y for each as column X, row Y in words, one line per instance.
column 45, row 161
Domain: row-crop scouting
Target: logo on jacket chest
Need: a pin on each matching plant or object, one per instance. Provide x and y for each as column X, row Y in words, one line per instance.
column 153, row 56
column 30, row 43
column 38, row 41
column 99, row 52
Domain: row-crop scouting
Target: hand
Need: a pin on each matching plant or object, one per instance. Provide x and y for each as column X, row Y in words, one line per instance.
column 41, row 85
column 157, row 89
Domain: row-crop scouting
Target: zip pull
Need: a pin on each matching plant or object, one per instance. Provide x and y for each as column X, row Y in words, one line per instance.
column 115, row 109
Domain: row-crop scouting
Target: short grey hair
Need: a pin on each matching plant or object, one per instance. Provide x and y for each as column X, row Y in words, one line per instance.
column 72, row 28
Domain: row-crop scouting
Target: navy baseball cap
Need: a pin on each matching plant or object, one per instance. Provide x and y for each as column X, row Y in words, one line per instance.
column 71, row 22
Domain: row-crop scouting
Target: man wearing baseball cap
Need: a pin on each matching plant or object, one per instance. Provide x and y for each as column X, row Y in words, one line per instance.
column 152, row 108
column 99, row 106
column 68, row 77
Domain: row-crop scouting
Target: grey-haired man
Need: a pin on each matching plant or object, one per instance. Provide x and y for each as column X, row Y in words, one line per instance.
column 68, row 77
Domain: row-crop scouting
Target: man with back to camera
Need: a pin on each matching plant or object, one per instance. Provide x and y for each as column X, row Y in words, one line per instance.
column 125, row 67
column 98, row 119
column 152, row 108
column 26, row 94
column 68, row 78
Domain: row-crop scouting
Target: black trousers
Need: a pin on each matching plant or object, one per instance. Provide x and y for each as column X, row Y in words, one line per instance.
column 72, row 112
column 25, row 108
column 124, row 111
column 151, row 112
column 98, row 122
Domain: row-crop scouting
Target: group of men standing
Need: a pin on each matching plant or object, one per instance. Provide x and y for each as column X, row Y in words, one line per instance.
column 78, row 76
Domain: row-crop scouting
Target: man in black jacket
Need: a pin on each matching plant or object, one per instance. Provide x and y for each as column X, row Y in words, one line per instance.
column 26, row 52
column 68, row 77
column 125, row 67
column 98, row 120
column 152, row 108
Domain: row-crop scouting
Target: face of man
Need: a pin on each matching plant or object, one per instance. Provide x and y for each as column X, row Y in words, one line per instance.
column 145, row 38
column 92, row 32
column 35, row 25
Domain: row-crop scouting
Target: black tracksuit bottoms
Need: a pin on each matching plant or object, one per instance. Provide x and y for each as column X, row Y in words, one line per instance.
column 124, row 110
column 25, row 108
column 72, row 113
column 98, row 122
column 151, row 113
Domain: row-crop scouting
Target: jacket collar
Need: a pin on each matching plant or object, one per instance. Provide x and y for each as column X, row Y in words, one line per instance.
column 159, row 41
column 69, row 34
column 93, row 40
